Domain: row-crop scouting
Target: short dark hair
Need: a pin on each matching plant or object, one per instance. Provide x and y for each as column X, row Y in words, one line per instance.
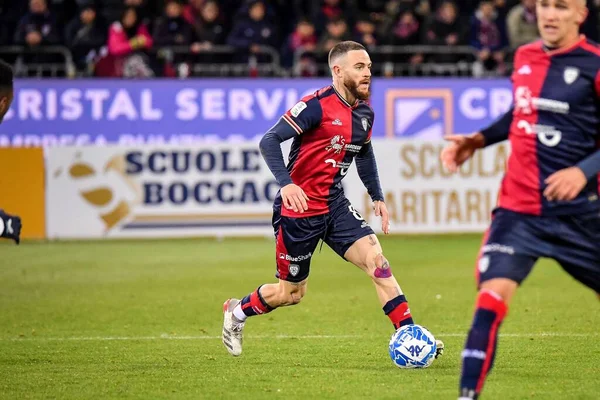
column 6, row 75
column 342, row 48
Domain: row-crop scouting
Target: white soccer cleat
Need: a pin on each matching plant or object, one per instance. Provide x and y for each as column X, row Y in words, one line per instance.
column 439, row 351
column 232, row 328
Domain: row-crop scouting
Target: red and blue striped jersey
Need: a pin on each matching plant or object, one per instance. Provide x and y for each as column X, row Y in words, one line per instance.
column 554, row 125
column 330, row 133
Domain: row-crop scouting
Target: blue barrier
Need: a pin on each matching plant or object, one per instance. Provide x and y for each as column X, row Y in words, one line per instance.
column 62, row 112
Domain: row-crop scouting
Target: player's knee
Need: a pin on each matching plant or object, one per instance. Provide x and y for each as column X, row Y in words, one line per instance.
column 378, row 266
column 502, row 287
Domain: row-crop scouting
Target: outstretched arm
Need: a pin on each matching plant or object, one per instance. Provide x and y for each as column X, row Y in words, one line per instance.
column 462, row 147
column 270, row 148
column 498, row 131
column 305, row 115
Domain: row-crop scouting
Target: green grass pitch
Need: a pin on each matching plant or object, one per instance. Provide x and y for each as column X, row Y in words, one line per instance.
column 142, row 319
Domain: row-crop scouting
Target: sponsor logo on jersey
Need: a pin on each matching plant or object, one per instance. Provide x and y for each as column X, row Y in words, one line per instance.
column 524, row 70
column 343, row 166
column 547, row 134
column 298, row 108
column 336, row 144
column 525, row 103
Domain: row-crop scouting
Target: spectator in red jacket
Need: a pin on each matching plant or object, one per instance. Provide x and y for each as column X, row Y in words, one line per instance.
column 128, row 34
column 128, row 38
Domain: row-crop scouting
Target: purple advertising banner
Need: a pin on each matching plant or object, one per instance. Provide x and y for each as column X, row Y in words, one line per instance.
column 68, row 112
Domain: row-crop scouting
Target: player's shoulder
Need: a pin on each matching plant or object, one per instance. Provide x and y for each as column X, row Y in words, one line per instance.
column 591, row 47
column 367, row 105
column 319, row 94
column 529, row 49
column 309, row 102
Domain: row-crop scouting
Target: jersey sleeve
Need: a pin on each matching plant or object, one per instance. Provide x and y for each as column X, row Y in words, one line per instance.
column 597, row 84
column 370, row 134
column 498, row 131
column 305, row 115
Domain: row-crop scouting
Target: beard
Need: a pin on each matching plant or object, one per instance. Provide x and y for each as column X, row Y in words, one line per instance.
column 352, row 87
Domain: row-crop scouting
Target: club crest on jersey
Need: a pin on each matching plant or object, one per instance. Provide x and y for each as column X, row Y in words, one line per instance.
column 336, row 144
column 365, row 123
column 294, row 269
column 570, row 74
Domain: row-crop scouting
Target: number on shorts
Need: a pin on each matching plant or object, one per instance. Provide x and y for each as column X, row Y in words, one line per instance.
column 355, row 213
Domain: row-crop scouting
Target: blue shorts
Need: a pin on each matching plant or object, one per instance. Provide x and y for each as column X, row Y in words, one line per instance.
column 515, row 241
column 297, row 238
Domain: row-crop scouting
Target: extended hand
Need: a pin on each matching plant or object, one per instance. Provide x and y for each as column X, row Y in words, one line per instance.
column 294, row 197
column 565, row 184
column 460, row 149
column 381, row 210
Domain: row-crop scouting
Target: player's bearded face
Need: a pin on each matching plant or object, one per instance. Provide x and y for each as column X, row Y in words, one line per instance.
column 360, row 88
column 559, row 20
column 357, row 74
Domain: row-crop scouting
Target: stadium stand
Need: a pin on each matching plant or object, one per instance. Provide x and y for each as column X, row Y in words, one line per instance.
column 285, row 38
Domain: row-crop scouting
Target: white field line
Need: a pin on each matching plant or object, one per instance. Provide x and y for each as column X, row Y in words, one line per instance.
column 278, row 337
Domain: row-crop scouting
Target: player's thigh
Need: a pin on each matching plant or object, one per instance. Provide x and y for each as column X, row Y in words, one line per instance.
column 577, row 248
column 296, row 241
column 350, row 236
column 364, row 252
column 509, row 250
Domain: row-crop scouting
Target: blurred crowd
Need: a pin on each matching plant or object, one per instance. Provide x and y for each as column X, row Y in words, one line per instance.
column 123, row 37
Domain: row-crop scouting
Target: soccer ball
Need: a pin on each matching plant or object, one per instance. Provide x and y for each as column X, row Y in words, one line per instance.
column 412, row 346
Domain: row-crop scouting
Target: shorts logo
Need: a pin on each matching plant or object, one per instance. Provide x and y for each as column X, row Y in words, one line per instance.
column 484, row 263
column 298, row 108
column 498, row 248
column 287, row 257
column 294, row 269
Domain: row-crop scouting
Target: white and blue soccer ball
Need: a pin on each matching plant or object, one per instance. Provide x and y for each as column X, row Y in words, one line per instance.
column 412, row 346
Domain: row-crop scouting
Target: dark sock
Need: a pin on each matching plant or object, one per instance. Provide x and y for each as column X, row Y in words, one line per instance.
column 254, row 304
column 480, row 348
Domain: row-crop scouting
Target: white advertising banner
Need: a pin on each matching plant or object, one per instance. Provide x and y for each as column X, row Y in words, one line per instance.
column 162, row 191
column 422, row 196
column 222, row 189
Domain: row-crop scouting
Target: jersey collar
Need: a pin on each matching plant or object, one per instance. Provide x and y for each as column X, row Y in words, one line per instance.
column 343, row 99
column 562, row 50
